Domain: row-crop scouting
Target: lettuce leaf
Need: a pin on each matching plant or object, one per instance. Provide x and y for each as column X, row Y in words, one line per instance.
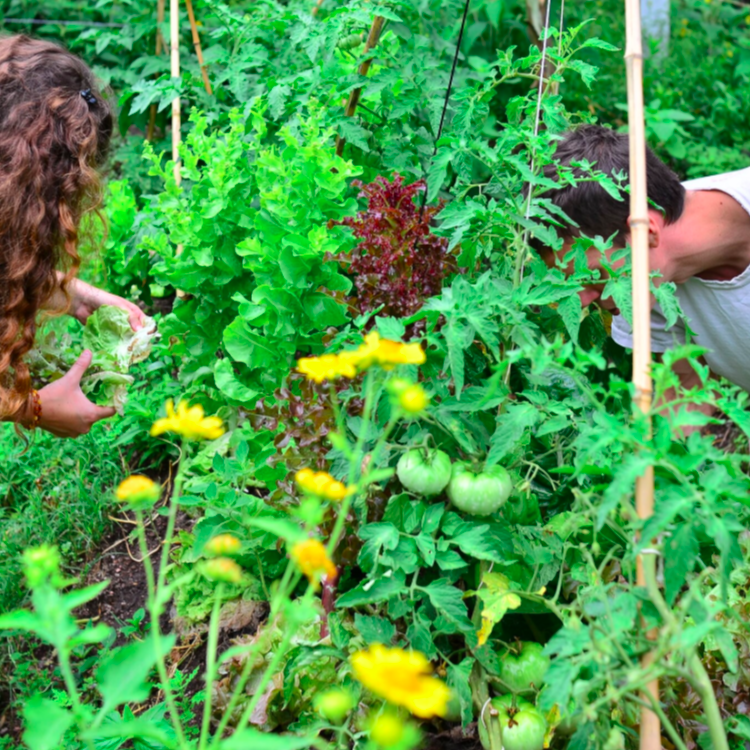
column 116, row 347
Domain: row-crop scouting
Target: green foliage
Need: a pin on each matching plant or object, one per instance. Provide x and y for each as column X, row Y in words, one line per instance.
column 54, row 493
column 253, row 227
column 239, row 259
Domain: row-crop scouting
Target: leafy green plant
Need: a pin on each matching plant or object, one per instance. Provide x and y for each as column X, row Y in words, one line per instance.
column 253, row 227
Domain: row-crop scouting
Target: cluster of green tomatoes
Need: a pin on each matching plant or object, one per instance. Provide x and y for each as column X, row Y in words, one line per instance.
column 483, row 492
column 522, row 724
column 430, row 471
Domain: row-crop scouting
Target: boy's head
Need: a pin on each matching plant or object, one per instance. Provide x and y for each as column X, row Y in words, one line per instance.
column 592, row 208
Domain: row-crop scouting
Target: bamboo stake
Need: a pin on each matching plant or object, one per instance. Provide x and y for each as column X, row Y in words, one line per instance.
column 159, row 47
column 197, row 45
column 351, row 106
column 174, row 41
column 650, row 735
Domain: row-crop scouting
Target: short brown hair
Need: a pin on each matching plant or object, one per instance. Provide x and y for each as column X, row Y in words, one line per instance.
column 588, row 204
column 55, row 129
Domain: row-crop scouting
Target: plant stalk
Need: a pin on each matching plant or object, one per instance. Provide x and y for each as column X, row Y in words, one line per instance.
column 154, row 610
column 213, row 642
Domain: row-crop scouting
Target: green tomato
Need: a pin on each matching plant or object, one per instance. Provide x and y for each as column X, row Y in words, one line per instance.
column 525, row 731
column 479, row 494
column 425, row 472
column 525, row 670
column 508, row 705
column 615, row 740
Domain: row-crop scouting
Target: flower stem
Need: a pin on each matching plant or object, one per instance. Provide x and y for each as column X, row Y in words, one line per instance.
column 156, row 630
column 281, row 594
column 213, row 642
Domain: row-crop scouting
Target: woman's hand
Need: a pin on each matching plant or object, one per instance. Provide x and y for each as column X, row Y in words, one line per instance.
column 66, row 412
column 86, row 299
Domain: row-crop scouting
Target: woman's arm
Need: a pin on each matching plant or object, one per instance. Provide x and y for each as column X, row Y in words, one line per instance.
column 85, row 299
column 66, row 412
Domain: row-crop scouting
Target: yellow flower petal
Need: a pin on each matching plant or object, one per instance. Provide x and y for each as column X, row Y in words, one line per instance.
column 223, row 569
column 321, row 484
column 189, row 422
column 223, row 544
column 403, row 678
column 138, row 490
column 312, row 559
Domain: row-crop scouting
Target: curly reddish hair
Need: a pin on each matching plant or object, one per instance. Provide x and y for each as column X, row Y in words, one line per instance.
column 52, row 140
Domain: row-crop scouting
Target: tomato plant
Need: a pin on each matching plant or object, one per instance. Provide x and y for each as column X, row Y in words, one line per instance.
column 278, row 254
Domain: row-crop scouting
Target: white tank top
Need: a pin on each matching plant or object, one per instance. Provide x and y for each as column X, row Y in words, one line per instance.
column 718, row 312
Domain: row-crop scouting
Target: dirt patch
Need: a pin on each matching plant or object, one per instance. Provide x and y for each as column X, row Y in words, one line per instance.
column 121, row 564
column 456, row 738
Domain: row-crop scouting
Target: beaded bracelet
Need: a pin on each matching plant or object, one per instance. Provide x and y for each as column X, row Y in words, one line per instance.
column 36, row 409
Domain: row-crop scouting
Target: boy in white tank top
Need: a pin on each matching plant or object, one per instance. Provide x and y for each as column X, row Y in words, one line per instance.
column 700, row 240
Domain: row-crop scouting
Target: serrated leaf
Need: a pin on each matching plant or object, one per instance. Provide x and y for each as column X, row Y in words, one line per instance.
column 376, row 537
column 570, row 310
column 459, row 682
column 373, row 591
column 420, row 639
column 622, row 484
column 666, row 297
column 509, row 429
column 375, row 629
column 490, row 542
column 497, row 598
column 448, row 601
column 46, row 723
column 680, row 553
column 585, row 70
column 600, row 44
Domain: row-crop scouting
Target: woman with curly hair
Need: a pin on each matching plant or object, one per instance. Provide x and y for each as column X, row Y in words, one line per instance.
column 55, row 129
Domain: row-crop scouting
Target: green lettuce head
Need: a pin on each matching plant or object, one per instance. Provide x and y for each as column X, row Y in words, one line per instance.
column 116, row 347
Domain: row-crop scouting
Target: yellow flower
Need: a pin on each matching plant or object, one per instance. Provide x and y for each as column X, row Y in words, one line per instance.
column 387, row 353
column 413, row 399
column 312, row 559
column 223, row 544
column 375, row 350
column 327, row 367
column 223, row 569
column 138, row 490
column 321, row 483
column 188, row 421
column 387, row 730
column 403, row 678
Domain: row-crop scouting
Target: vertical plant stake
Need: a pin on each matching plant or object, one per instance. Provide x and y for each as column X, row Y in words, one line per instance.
column 197, row 45
column 159, row 47
column 174, row 46
column 351, row 106
column 644, row 487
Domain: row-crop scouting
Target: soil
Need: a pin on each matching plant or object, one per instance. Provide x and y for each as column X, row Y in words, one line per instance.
column 456, row 738
column 120, row 564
